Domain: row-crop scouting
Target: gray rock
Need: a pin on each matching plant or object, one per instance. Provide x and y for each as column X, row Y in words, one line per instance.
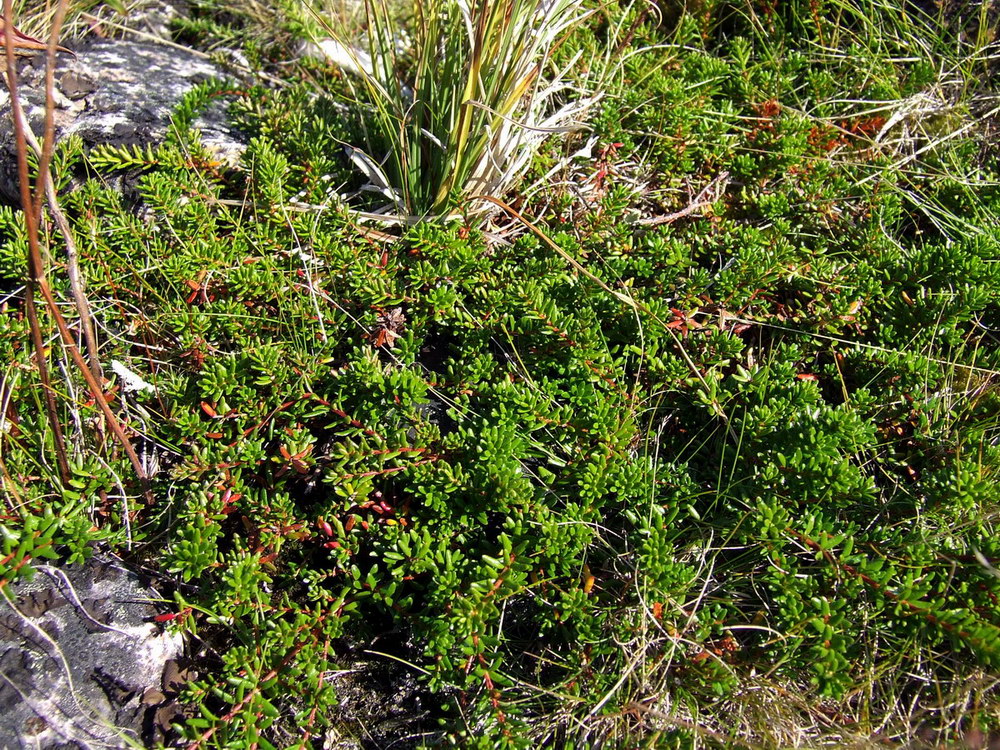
column 82, row 662
column 117, row 92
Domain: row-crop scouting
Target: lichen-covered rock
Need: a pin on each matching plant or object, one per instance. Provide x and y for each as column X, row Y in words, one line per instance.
column 117, row 92
column 82, row 661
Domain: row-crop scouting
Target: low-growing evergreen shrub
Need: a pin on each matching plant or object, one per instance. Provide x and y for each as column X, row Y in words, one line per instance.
column 463, row 441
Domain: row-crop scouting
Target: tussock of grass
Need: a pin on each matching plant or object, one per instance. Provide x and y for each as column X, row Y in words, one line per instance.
column 459, row 109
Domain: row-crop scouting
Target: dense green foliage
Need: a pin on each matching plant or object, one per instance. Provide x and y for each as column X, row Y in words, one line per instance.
column 590, row 520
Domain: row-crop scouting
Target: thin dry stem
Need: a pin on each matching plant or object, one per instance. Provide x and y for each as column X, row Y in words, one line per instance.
column 36, row 269
column 76, row 281
column 44, row 186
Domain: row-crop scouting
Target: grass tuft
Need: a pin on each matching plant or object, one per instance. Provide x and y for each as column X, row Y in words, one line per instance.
column 458, row 110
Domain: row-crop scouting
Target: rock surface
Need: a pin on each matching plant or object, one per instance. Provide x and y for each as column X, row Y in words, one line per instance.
column 117, row 92
column 82, row 663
